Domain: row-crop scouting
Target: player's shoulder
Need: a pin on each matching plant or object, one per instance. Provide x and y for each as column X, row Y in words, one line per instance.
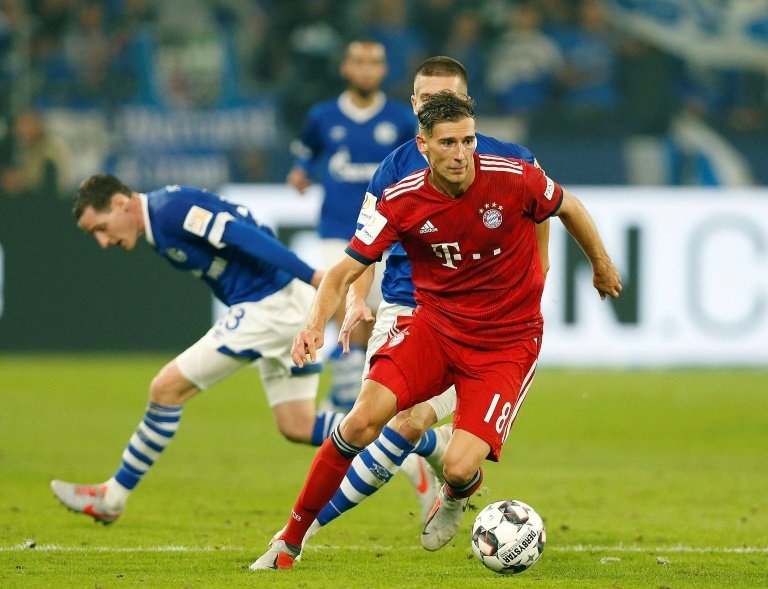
column 398, row 164
column 404, row 159
column 324, row 108
column 493, row 146
column 408, row 185
column 178, row 194
column 171, row 203
column 401, row 108
column 500, row 164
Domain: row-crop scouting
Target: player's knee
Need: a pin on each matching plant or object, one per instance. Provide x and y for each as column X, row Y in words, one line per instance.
column 359, row 429
column 458, row 472
column 296, row 431
column 159, row 391
column 164, row 390
column 413, row 422
column 409, row 425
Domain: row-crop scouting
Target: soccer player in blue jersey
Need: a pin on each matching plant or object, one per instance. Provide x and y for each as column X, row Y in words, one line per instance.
column 342, row 143
column 264, row 284
column 409, row 431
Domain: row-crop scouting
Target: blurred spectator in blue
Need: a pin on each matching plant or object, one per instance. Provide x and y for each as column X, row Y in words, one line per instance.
column 14, row 27
column 39, row 165
column 558, row 16
column 466, row 43
column 648, row 81
column 388, row 23
column 189, row 66
column 133, row 26
column 87, row 50
column 590, row 94
column 434, row 19
column 750, row 113
column 725, row 98
column 523, row 64
column 301, row 53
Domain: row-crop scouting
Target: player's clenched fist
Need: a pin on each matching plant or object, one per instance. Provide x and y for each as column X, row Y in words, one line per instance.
column 306, row 343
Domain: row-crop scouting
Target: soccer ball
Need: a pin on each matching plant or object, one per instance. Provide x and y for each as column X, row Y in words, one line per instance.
column 508, row 536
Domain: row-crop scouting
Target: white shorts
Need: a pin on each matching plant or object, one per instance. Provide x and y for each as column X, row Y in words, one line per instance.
column 332, row 251
column 261, row 334
column 445, row 403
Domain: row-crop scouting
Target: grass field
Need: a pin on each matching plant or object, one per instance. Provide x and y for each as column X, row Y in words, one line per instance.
column 644, row 479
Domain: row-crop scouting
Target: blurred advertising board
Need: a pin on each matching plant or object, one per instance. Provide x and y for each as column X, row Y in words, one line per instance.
column 694, row 263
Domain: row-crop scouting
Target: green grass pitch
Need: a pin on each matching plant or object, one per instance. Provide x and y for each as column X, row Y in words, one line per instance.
column 653, row 479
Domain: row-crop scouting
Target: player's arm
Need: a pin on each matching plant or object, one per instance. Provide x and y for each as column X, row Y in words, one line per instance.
column 262, row 246
column 542, row 240
column 542, row 229
column 357, row 308
column 328, row 298
column 305, row 150
column 578, row 222
column 542, row 233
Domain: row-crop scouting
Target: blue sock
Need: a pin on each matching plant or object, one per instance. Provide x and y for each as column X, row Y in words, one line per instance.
column 154, row 433
column 427, row 444
column 370, row 469
column 325, row 423
column 347, row 373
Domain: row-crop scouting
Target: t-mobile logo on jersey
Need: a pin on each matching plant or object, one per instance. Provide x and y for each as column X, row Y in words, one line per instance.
column 448, row 252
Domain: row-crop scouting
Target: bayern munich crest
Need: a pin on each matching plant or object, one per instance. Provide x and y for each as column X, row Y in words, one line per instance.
column 491, row 215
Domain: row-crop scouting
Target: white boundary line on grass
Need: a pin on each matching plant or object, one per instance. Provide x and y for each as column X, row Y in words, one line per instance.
column 674, row 549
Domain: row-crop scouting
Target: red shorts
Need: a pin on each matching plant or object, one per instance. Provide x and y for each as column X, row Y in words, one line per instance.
column 417, row 363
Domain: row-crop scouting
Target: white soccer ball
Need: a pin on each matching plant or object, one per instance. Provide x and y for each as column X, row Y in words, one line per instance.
column 508, row 536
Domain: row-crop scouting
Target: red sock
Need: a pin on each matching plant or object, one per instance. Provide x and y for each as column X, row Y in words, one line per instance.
column 325, row 476
column 466, row 490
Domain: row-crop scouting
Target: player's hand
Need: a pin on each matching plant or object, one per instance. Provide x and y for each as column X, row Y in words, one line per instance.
column 357, row 311
column 298, row 178
column 606, row 279
column 306, row 343
column 317, row 278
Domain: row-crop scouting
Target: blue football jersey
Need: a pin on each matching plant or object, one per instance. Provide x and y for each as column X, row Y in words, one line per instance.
column 396, row 285
column 220, row 243
column 343, row 145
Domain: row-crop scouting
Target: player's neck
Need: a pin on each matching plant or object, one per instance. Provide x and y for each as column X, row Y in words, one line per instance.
column 448, row 188
column 138, row 212
column 362, row 100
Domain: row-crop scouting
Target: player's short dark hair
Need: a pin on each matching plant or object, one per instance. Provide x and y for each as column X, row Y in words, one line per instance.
column 443, row 106
column 97, row 191
column 444, row 67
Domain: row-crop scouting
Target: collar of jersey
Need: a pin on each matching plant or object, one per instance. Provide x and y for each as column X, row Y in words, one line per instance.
column 147, row 225
column 357, row 114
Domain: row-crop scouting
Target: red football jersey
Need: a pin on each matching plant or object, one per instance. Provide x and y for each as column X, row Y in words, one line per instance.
column 475, row 259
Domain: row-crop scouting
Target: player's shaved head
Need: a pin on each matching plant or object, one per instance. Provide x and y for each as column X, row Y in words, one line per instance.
column 443, row 67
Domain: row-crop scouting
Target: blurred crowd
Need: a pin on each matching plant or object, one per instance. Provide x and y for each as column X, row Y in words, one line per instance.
column 554, row 67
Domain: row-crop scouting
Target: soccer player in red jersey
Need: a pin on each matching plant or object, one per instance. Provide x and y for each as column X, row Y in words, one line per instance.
column 467, row 223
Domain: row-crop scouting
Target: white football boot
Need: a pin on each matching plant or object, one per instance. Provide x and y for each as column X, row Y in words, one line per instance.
column 443, row 521
column 87, row 499
column 280, row 556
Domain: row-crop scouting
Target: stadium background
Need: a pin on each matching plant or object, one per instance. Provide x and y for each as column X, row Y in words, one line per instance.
column 656, row 112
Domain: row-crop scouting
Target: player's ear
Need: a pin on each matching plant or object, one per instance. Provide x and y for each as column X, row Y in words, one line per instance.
column 119, row 201
column 421, row 143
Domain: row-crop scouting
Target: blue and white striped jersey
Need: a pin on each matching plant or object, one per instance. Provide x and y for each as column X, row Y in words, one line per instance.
column 344, row 145
column 396, row 285
column 219, row 242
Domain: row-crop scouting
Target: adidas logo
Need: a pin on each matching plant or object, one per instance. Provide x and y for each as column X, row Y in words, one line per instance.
column 428, row 228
